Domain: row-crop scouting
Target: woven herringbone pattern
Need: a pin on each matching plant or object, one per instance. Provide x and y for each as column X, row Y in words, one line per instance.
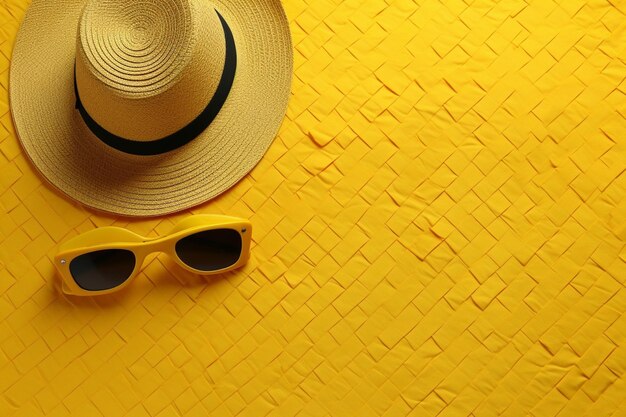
column 440, row 229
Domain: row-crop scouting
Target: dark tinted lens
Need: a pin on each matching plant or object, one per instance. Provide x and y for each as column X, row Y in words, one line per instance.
column 102, row 270
column 210, row 250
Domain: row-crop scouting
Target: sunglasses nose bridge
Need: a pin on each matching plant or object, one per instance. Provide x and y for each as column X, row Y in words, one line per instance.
column 162, row 244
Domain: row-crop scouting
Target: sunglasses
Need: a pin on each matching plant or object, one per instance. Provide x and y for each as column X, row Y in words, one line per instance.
column 105, row 260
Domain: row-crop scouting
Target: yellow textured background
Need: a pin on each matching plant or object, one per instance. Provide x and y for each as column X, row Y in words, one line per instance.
column 440, row 229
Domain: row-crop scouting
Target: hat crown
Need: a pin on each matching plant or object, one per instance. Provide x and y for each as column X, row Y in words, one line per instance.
column 147, row 68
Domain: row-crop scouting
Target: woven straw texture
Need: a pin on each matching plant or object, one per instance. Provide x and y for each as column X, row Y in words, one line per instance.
column 439, row 230
column 83, row 167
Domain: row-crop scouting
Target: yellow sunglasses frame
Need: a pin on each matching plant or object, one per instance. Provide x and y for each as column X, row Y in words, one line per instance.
column 118, row 238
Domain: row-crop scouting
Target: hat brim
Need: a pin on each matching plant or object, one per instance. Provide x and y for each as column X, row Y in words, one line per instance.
column 72, row 159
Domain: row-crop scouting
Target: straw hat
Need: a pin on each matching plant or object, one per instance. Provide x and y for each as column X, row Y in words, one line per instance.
column 148, row 107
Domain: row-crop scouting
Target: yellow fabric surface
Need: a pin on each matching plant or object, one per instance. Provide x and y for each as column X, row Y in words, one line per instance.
column 439, row 230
